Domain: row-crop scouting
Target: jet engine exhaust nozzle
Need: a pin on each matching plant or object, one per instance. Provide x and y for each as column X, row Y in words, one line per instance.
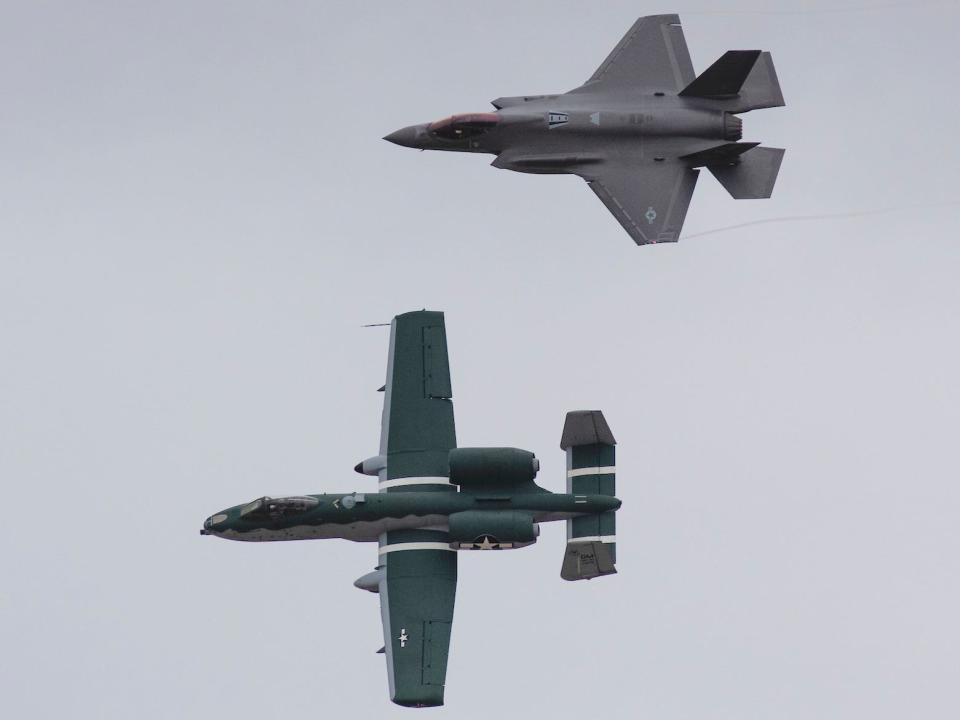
column 732, row 127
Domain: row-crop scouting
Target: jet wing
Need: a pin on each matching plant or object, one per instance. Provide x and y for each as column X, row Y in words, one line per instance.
column 649, row 199
column 417, row 595
column 652, row 56
column 417, row 431
column 417, row 568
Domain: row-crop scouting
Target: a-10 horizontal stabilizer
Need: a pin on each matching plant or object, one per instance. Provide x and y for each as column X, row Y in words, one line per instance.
column 591, row 470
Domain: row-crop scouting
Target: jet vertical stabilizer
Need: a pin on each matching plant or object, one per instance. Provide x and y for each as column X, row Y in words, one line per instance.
column 725, row 77
column 591, row 470
column 761, row 89
column 744, row 79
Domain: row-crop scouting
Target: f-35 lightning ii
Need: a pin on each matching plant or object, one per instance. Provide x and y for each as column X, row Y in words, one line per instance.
column 436, row 499
column 637, row 131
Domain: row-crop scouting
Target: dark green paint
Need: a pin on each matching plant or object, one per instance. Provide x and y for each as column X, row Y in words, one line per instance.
column 421, row 588
column 378, row 506
column 421, row 428
column 485, row 494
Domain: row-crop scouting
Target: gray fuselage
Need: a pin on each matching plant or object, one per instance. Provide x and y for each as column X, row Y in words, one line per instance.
column 567, row 133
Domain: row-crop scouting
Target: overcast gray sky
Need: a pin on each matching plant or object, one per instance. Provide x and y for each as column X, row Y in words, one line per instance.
column 197, row 214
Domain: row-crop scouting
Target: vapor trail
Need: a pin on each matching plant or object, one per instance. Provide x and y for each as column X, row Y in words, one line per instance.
column 828, row 10
column 828, row 216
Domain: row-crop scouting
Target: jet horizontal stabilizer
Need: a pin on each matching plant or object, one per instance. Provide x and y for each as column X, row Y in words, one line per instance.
column 720, row 155
column 591, row 470
column 587, row 560
column 752, row 175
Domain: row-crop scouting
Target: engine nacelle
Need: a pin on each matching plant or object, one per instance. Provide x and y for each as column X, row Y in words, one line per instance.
column 490, row 468
column 492, row 529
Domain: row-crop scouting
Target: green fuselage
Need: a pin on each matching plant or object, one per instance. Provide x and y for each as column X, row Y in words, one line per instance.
column 364, row 517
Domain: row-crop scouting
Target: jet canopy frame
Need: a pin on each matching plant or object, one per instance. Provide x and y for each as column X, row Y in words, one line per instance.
column 463, row 125
column 276, row 508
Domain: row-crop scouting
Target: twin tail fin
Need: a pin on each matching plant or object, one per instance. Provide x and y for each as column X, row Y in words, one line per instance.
column 743, row 79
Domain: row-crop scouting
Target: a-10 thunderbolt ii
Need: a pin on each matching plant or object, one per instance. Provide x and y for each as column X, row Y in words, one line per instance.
column 637, row 131
column 435, row 499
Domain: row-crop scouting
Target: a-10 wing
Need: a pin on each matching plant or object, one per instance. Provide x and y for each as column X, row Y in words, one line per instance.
column 417, row 568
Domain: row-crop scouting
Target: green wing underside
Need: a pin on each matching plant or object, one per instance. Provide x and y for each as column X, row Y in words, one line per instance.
column 417, row 432
column 416, row 601
column 419, row 583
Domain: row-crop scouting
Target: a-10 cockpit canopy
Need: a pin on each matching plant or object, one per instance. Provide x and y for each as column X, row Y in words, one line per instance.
column 464, row 125
column 277, row 508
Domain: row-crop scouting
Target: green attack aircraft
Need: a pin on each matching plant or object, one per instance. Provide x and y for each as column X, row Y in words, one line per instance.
column 435, row 499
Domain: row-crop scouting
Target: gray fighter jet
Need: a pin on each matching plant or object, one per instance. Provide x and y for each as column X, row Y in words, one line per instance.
column 637, row 131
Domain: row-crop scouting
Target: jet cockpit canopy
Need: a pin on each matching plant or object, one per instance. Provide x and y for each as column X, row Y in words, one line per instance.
column 464, row 125
column 277, row 508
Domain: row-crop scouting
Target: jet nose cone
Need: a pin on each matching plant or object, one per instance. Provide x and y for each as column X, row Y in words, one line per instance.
column 210, row 525
column 406, row 137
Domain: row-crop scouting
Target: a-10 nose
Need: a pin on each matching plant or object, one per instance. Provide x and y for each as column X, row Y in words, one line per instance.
column 406, row 137
column 210, row 522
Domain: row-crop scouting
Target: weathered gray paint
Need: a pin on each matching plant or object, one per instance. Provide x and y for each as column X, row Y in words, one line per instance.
column 635, row 131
